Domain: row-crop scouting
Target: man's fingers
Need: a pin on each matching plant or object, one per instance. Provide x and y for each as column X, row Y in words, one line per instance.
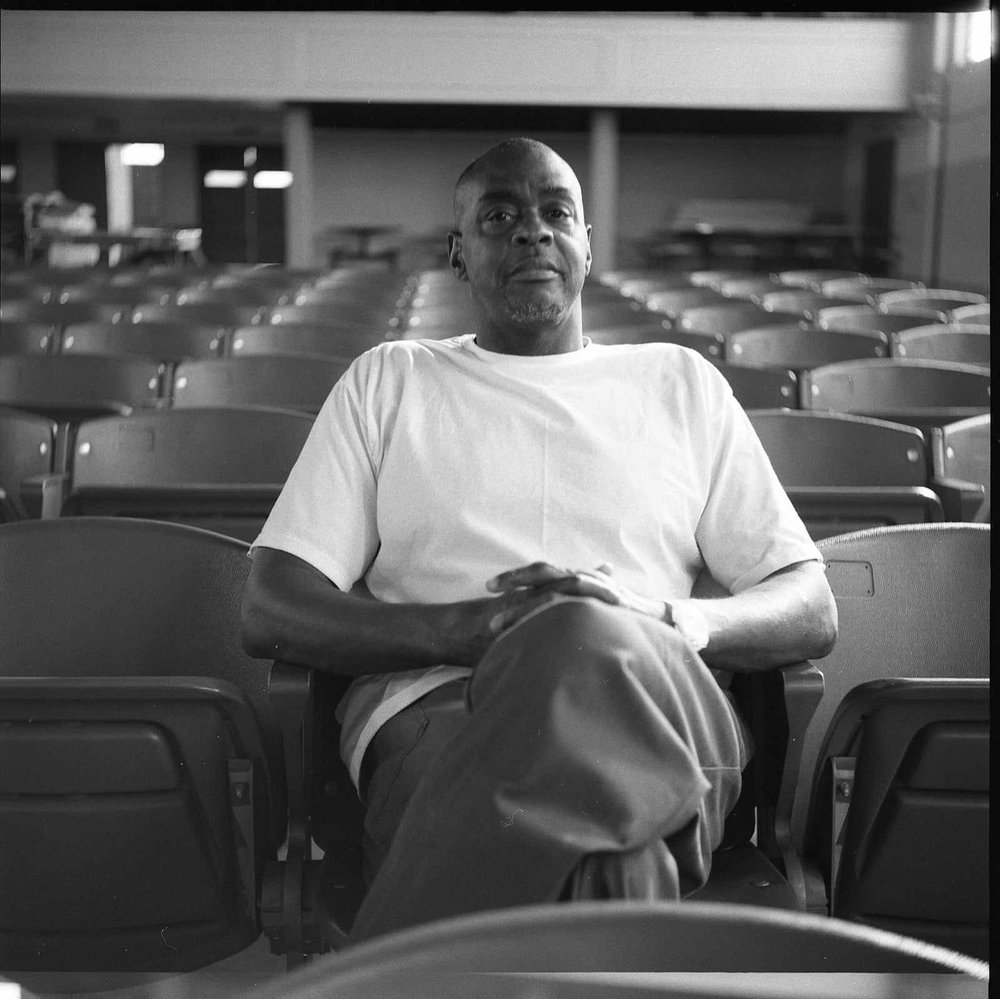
column 513, row 607
column 528, row 575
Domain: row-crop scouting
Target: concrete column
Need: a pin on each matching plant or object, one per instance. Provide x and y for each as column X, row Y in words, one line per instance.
column 299, row 213
column 602, row 198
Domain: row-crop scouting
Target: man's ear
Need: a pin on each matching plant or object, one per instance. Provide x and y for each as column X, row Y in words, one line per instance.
column 455, row 260
column 590, row 256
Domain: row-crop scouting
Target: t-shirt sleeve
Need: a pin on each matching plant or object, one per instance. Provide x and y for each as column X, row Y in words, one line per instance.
column 326, row 512
column 749, row 527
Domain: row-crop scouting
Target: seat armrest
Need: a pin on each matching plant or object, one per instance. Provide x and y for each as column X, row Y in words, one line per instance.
column 802, row 689
column 290, row 690
column 961, row 500
column 43, row 496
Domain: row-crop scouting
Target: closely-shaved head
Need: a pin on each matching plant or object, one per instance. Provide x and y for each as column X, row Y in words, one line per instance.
column 511, row 150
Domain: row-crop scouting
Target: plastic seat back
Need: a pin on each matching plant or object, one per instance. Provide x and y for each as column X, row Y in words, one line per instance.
column 923, row 393
column 845, row 473
column 960, row 463
column 285, row 381
column 28, row 337
column 978, row 315
column 74, row 388
column 166, row 342
column 912, row 601
column 799, row 349
column 216, row 468
column 708, row 345
column 949, row 342
column 325, row 341
column 142, row 793
column 762, row 388
column 867, row 317
column 733, row 316
column 27, row 448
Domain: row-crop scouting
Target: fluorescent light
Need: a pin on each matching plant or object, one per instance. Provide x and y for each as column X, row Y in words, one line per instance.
column 7, row 174
column 272, row 179
column 980, row 38
column 142, row 154
column 225, row 178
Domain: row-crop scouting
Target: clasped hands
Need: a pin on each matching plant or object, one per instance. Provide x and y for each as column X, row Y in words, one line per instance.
column 528, row 587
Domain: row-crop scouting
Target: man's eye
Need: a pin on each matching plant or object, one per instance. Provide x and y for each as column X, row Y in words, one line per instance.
column 559, row 213
column 498, row 215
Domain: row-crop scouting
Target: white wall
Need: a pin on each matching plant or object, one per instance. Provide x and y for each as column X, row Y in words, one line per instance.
column 598, row 60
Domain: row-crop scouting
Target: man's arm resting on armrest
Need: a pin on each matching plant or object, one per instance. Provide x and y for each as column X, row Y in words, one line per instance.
column 787, row 617
column 291, row 611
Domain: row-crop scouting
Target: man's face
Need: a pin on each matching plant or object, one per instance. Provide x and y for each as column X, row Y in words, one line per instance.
column 523, row 245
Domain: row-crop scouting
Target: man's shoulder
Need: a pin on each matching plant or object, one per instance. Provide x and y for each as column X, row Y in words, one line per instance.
column 396, row 357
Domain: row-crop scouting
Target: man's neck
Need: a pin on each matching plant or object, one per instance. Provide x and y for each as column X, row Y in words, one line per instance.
column 561, row 338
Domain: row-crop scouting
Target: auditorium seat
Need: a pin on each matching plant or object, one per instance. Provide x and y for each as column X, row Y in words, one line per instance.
column 164, row 341
column 762, row 388
column 715, row 279
column 325, row 341
column 293, row 382
column 748, row 288
column 978, row 315
column 867, row 317
column 24, row 310
column 960, row 467
column 152, row 768
column 619, row 312
column 941, row 300
column 708, row 345
column 216, row 468
column 257, row 296
column 910, row 823
column 128, row 296
column 814, row 279
column 620, row 949
column 77, row 387
column 360, row 316
column 802, row 301
column 944, row 342
column 921, row 393
column 27, row 451
column 845, row 473
column 673, row 303
column 224, row 314
column 730, row 316
column 26, row 337
column 797, row 348
column 863, row 288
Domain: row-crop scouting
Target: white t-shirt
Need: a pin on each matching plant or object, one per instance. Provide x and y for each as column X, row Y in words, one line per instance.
column 435, row 464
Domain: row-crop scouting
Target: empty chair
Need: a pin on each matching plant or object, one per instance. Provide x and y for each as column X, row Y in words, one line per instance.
column 921, row 393
column 173, row 278
column 717, row 278
column 708, row 345
column 28, row 337
column 867, row 317
column 799, row 300
column 216, row 468
column 325, row 341
column 762, row 388
column 913, row 602
column 673, row 303
column 732, row 316
column 795, row 348
column 27, row 451
column 960, row 465
column 845, row 473
column 360, row 316
column 814, row 279
column 639, row 287
column 73, row 388
column 620, row 312
column 54, row 314
column 939, row 300
column 161, row 340
column 258, row 296
column 151, row 768
column 944, row 342
column 865, row 289
column 127, row 296
column 295, row 382
column 748, row 288
column 978, row 315
column 612, row 948
column 224, row 314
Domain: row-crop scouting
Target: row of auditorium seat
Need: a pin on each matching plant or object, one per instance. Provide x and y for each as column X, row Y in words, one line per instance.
column 222, row 467
column 155, row 770
column 783, row 345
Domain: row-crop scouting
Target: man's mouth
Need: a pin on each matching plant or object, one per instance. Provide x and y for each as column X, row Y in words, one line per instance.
column 534, row 270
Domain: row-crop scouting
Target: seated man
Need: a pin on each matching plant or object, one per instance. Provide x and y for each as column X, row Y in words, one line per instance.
column 534, row 716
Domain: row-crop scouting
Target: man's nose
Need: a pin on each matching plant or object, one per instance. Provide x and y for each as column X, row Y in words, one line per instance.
column 532, row 229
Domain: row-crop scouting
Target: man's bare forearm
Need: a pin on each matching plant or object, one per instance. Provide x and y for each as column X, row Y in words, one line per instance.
column 788, row 617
